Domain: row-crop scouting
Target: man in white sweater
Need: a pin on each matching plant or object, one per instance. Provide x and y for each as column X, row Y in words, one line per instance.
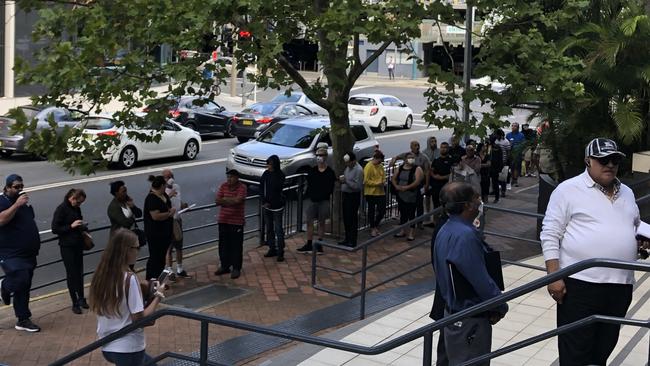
column 589, row 216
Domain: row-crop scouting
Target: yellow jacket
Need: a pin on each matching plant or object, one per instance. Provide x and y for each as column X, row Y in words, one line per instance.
column 374, row 179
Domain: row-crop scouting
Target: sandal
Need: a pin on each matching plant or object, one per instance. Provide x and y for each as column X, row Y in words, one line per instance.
column 410, row 239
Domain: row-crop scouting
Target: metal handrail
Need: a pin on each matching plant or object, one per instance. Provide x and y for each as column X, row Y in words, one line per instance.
column 426, row 332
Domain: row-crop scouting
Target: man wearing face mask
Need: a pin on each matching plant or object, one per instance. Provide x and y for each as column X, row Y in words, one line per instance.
column 351, row 186
column 592, row 215
column 320, row 185
column 459, row 249
column 19, row 247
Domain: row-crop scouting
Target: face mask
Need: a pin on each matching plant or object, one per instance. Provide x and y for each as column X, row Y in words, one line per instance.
column 320, row 159
column 346, row 158
column 411, row 161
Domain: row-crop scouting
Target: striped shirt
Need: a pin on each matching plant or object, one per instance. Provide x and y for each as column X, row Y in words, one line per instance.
column 232, row 214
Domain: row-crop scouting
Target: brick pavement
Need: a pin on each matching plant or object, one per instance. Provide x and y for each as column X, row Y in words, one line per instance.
column 276, row 292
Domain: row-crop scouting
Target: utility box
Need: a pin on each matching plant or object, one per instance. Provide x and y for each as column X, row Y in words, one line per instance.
column 641, row 162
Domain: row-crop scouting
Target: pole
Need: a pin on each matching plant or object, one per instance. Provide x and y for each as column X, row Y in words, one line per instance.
column 467, row 60
column 414, row 68
column 233, row 69
column 243, row 87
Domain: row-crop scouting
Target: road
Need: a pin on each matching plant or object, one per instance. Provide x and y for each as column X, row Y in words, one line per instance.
column 47, row 183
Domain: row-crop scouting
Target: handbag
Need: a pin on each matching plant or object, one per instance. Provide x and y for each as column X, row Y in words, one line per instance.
column 88, row 240
column 142, row 237
column 503, row 175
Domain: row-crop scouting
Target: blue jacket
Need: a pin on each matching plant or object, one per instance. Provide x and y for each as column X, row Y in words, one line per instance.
column 459, row 243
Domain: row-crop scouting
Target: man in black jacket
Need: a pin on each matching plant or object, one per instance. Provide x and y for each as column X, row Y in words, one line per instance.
column 271, row 184
column 19, row 246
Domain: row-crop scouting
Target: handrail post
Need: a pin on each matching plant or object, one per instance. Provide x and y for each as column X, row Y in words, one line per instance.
column 313, row 263
column 428, row 349
column 364, row 265
column 260, row 212
column 301, row 182
column 204, row 344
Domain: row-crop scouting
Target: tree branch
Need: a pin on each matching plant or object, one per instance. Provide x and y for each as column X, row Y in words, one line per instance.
column 355, row 73
column 355, row 50
column 300, row 80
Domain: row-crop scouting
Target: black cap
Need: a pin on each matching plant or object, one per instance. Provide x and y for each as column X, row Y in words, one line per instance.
column 12, row 178
column 601, row 147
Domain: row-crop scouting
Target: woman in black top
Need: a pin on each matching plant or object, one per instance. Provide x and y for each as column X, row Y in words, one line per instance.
column 485, row 153
column 68, row 224
column 272, row 183
column 158, row 225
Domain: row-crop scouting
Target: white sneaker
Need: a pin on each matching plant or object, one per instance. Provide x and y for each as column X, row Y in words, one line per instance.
column 509, row 186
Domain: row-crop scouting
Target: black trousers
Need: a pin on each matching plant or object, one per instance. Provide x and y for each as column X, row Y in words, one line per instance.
column 18, row 280
column 231, row 246
column 351, row 202
column 157, row 256
column 590, row 345
column 419, row 204
column 73, row 260
column 406, row 211
column 435, row 193
column 376, row 209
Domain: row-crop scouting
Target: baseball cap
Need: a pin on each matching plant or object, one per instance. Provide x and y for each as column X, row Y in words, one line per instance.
column 12, row 178
column 601, row 147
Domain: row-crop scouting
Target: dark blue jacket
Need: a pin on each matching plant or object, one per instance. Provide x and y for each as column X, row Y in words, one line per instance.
column 19, row 237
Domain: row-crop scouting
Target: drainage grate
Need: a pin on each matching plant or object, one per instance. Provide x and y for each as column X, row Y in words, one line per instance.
column 206, row 296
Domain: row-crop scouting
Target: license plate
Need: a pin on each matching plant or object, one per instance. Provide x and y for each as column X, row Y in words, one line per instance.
column 358, row 111
column 247, row 122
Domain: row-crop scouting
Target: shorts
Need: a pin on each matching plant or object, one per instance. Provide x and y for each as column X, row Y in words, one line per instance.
column 317, row 210
column 178, row 244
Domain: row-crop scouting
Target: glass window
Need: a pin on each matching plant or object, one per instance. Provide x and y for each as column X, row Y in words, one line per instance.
column 326, row 138
column 261, row 109
column 289, row 135
column 30, row 113
column 283, row 98
column 26, row 48
column 60, row 115
column 303, row 111
column 98, row 123
column 386, row 101
column 359, row 132
column 395, row 102
column 211, row 106
column 289, row 111
column 361, row 101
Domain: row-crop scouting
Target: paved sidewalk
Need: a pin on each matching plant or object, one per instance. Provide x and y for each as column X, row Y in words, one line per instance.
column 275, row 292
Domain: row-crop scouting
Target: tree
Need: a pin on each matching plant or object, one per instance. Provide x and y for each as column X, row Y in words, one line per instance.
column 585, row 64
column 81, row 35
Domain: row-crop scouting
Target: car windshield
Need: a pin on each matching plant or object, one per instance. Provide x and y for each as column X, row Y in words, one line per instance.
column 30, row 113
column 283, row 98
column 98, row 123
column 289, row 135
column 361, row 101
column 261, row 109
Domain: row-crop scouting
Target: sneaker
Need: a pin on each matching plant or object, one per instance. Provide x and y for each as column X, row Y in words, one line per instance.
column 221, row 271
column 235, row 274
column 83, row 304
column 509, row 186
column 6, row 295
column 182, row 274
column 27, row 326
column 76, row 309
column 271, row 253
column 305, row 248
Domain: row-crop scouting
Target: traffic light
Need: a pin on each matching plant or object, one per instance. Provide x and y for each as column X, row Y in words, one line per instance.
column 244, row 34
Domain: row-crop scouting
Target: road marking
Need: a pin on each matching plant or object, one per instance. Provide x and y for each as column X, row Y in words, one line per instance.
column 211, row 142
column 361, row 87
column 124, row 174
column 527, row 188
column 406, row 133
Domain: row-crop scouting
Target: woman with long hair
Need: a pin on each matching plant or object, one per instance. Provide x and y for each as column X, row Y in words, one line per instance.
column 158, row 225
column 116, row 297
column 68, row 224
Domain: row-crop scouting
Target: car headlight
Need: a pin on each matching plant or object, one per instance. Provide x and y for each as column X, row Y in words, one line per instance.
column 232, row 152
column 285, row 162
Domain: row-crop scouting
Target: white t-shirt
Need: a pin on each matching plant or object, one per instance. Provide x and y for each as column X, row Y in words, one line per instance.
column 134, row 341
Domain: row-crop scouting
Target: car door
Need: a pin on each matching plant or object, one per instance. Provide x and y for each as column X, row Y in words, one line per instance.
column 389, row 110
column 364, row 147
column 174, row 139
column 153, row 149
column 400, row 112
column 214, row 120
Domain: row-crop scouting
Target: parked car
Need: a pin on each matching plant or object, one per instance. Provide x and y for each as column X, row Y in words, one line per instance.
column 200, row 114
column 300, row 98
column 175, row 140
column 260, row 116
column 294, row 142
column 380, row 111
column 11, row 143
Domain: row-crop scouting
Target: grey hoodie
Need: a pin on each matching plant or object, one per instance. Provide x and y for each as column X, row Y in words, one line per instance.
column 430, row 153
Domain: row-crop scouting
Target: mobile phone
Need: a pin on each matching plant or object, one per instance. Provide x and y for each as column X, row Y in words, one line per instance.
column 163, row 279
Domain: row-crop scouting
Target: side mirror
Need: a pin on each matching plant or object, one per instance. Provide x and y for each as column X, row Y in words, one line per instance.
column 404, row 105
column 221, row 109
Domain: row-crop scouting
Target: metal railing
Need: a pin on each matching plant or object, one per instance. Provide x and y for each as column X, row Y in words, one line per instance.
column 424, row 332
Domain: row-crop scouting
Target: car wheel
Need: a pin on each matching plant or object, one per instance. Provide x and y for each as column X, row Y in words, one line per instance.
column 6, row 154
column 409, row 122
column 191, row 150
column 192, row 125
column 128, row 157
column 382, row 125
column 242, row 139
column 228, row 131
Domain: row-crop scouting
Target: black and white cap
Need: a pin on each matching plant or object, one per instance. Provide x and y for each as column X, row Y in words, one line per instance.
column 601, row 147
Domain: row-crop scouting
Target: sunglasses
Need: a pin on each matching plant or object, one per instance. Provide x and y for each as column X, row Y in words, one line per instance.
column 18, row 186
column 614, row 159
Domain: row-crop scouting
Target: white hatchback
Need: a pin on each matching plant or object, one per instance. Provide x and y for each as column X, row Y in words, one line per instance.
column 380, row 111
column 175, row 140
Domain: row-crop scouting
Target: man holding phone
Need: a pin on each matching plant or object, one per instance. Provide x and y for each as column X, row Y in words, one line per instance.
column 19, row 246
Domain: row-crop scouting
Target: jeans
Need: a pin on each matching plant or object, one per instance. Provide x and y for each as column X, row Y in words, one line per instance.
column 18, row 280
column 351, row 202
column 376, row 209
column 127, row 359
column 231, row 246
column 273, row 222
column 73, row 260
